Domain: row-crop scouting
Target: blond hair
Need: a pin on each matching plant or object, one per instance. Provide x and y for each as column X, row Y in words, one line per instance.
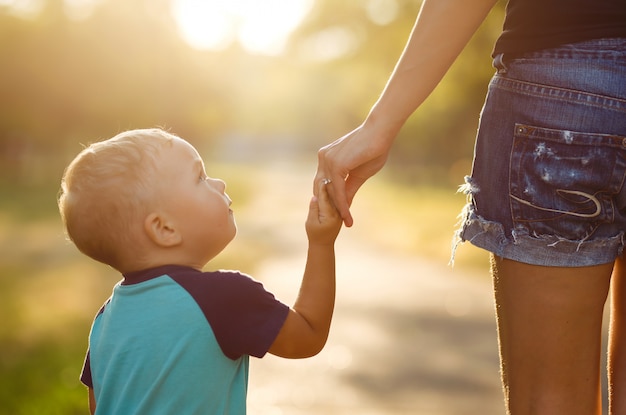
column 106, row 191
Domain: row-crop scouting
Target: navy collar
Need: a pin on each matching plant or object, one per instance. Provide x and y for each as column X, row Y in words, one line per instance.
column 136, row 277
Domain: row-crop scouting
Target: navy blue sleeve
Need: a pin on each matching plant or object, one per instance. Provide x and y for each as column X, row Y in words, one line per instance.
column 85, row 375
column 245, row 317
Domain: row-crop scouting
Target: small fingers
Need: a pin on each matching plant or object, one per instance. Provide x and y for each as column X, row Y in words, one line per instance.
column 335, row 185
column 336, row 189
column 325, row 200
column 322, row 191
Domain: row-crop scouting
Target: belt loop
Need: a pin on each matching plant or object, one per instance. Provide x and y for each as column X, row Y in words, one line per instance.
column 498, row 63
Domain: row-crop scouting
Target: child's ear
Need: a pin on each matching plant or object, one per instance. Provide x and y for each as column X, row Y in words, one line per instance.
column 161, row 231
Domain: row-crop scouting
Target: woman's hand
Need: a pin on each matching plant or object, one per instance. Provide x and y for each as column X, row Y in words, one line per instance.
column 348, row 162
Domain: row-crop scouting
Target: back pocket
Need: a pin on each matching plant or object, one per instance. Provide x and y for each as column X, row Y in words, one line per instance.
column 563, row 183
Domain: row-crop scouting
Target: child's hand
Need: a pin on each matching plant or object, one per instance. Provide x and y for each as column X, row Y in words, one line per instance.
column 324, row 222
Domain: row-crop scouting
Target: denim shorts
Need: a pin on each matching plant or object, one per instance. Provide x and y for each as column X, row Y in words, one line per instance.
column 548, row 179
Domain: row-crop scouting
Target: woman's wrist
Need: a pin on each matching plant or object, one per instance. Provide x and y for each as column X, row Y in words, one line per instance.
column 384, row 126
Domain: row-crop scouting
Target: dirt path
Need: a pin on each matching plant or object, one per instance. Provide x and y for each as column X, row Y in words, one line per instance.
column 409, row 336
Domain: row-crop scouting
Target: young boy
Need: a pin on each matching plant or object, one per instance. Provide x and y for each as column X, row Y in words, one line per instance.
column 173, row 339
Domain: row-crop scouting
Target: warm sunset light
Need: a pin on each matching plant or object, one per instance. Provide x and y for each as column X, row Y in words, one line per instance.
column 258, row 86
column 260, row 27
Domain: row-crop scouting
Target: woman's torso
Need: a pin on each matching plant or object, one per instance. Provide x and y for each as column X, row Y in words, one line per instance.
column 532, row 25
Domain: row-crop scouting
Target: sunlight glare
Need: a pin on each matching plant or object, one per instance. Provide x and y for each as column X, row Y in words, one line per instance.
column 203, row 24
column 329, row 44
column 74, row 9
column 260, row 27
column 382, row 12
column 80, row 9
column 23, row 8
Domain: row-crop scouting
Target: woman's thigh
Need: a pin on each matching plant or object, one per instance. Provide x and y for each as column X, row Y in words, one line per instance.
column 617, row 341
column 549, row 327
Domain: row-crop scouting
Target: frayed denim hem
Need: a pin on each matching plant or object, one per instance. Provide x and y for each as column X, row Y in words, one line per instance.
column 544, row 250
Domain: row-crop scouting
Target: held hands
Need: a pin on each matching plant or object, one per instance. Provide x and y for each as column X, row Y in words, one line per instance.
column 348, row 163
column 323, row 222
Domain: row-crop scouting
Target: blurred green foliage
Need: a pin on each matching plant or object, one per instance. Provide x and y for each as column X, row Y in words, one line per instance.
column 67, row 81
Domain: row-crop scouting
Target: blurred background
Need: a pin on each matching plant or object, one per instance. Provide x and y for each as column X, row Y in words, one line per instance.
column 257, row 87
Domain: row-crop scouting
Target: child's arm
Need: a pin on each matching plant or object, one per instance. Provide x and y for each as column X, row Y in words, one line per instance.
column 92, row 402
column 305, row 330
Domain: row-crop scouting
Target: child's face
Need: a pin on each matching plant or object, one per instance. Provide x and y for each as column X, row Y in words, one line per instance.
column 197, row 203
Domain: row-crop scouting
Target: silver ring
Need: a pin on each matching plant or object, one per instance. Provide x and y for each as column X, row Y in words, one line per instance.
column 326, row 181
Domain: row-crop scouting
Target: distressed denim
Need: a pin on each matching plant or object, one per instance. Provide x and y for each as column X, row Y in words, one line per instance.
column 548, row 180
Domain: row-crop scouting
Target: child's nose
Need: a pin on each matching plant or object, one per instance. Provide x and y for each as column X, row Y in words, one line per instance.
column 221, row 184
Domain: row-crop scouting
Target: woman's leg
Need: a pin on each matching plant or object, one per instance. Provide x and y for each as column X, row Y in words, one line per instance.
column 549, row 327
column 617, row 341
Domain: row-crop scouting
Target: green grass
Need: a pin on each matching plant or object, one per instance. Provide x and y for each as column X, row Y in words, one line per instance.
column 42, row 344
column 39, row 376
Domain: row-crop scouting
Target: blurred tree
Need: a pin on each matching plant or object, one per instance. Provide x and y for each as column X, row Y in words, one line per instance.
column 65, row 82
column 70, row 78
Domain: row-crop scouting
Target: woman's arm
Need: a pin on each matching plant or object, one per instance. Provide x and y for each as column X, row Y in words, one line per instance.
column 441, row 31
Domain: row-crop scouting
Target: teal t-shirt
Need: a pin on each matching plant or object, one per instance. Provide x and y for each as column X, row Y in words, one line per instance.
column 174, row 340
